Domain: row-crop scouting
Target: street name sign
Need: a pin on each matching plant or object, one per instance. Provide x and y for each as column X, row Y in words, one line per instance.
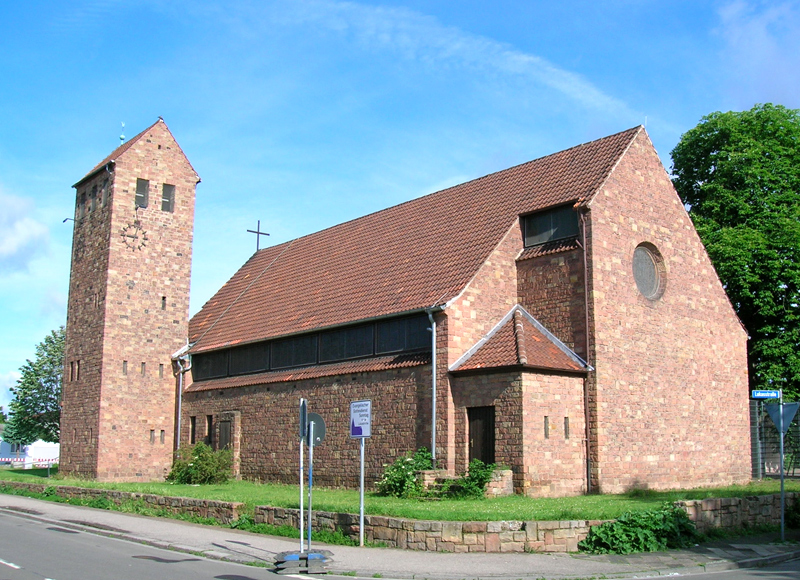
column 765, row 394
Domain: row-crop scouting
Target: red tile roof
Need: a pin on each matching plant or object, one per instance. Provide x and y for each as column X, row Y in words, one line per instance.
column 414, row 255
column 383, row 363
column 519, row 340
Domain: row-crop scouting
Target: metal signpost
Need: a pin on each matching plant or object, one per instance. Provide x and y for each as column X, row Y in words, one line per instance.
column 361, row 428
column 781, row 414
column 316, row 434
column 303, row 433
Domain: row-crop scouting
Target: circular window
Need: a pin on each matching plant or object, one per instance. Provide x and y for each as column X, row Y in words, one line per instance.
column 648, row 271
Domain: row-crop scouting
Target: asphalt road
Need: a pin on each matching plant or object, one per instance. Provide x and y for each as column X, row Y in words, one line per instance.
column 785, row 571
column 31, row 550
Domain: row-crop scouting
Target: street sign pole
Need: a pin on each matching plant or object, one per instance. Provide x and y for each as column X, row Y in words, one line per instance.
column 303, row 427
column 361, row 501
column 783, row 496
column 361, row 428
column 310, row 477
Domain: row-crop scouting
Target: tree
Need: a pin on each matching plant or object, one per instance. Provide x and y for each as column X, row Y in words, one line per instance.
column 35, row 409
column 739, row 175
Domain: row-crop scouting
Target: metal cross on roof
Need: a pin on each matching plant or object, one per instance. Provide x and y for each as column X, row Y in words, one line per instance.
column 258, row 234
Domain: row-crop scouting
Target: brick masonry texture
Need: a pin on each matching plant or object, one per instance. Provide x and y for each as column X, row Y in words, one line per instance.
column 266, row 430
column 128, row 309
column 669, row 398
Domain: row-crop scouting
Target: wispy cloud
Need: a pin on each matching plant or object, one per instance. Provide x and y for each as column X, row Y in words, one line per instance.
column 425, row 40
column 21, row 236
column 761, row 51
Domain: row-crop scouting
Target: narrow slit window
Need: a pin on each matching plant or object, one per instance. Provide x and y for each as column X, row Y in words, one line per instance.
column 192, row 430
column 144, row 368
column 72, row 370
column 209, row 434
column 163, row 436
column 93, row 199
column 566, row 427
column 163, row 303
column 168, row 198
column 546, row 427
column 104, row 194
column 160, row 370
column 77, row 370
column 142, row 192
column 152, row 436
column 124, row 367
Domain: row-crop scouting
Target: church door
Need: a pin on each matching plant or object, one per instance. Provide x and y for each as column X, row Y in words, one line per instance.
column 224, row 434
column 481, row 433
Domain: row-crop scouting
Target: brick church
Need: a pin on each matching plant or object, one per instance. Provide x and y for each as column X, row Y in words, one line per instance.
column 560, row 317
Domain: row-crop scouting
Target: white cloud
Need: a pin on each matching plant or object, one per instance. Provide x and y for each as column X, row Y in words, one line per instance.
column 7, row 380
column 21, row 236
column 761, row 56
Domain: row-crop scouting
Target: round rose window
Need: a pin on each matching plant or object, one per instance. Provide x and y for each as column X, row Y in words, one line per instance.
column 648, row 271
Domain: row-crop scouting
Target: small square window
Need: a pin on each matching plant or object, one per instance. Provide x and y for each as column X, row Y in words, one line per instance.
column 142, row 192
column 168, row 197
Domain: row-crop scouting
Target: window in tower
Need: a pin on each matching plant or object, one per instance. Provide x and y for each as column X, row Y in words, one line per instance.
column 142, row 192
column 168, row 197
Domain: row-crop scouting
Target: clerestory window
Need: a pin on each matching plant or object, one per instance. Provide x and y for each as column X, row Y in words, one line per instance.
column 549, row 225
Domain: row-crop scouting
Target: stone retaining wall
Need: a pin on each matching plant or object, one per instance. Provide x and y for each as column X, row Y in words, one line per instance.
column 733, row 513
column 505, row 536
column 223, row 511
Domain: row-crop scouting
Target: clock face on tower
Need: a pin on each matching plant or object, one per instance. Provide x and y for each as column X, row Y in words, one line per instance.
column 134, row 236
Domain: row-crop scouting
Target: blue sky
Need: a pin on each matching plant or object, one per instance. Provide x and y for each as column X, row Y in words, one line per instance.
column 307, row 113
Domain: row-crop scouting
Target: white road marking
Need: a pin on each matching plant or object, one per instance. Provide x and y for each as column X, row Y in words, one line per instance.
column 10, row 564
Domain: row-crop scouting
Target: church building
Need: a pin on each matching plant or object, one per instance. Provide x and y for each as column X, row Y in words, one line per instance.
column 560, row 317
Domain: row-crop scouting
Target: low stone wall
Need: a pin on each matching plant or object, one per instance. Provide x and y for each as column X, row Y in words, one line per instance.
column 501, row 484
column 733, row 513
column 223, row 511
column 505, row 536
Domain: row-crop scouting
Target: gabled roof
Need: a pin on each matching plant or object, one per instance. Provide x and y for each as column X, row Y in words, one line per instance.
column 119, row 151
column 519, row 340
column 418, row 254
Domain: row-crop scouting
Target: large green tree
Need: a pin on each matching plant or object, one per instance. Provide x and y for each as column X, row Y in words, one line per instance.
column 35, row 409
column 739, row 175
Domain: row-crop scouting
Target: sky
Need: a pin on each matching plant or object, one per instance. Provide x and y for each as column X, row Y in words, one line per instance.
column 306, row 113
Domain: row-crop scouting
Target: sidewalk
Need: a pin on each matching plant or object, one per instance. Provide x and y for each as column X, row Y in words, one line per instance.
column 222, row 543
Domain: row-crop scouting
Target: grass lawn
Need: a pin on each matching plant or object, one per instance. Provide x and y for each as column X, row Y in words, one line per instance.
column 589, row 507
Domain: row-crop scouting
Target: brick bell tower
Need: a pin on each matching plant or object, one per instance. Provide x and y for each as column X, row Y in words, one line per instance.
column 128, row 310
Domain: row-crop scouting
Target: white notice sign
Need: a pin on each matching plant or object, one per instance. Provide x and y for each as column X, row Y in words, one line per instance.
column 360, row 419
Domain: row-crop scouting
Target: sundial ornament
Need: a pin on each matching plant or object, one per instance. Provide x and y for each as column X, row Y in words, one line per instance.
column 134, row 236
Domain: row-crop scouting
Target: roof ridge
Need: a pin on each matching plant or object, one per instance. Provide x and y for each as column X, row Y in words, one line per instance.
column 519, row 336
column 460, row 185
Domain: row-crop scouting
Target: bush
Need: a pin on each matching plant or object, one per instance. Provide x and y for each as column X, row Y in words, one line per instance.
column 645, row 531
column 400, row 478
column 200, row 465
column 471, row 485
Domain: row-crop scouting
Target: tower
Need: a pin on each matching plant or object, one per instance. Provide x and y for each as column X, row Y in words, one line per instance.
column 128, row 309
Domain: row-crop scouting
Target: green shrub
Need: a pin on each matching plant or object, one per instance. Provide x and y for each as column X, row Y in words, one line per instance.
column 400, row 478
column 201, row 465
column 645, row 531
column 471, row 485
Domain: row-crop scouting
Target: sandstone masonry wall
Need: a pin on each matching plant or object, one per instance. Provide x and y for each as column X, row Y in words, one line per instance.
column 266, row 424
column 669, row 397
